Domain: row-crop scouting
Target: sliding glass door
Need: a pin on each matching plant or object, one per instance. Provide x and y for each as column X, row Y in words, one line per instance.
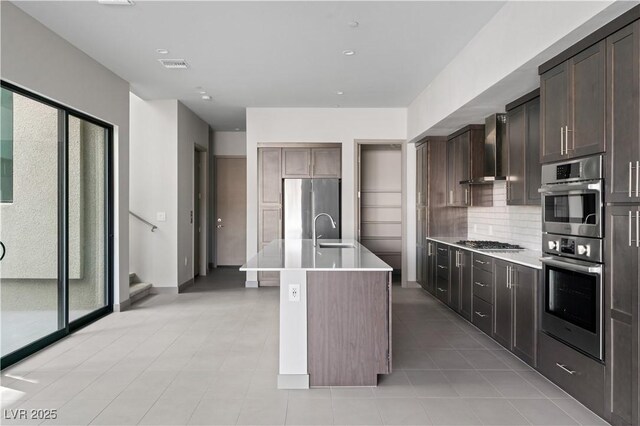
column 54, row 222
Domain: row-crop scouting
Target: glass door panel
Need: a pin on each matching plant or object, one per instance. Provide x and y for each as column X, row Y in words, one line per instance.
column 87, row 217
column 29, row 221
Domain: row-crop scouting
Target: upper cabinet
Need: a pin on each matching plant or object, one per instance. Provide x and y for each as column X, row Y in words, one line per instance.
column 523, row 147
column 623, row 115
column 573, row 106
column 311, row 163
column 465, row 162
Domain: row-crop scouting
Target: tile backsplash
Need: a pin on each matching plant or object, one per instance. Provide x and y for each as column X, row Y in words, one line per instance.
column 510, row 224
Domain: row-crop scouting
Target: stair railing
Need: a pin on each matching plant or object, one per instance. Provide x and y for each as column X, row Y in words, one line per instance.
column 153, row 227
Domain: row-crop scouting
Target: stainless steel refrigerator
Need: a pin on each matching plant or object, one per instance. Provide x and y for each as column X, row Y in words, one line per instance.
column 303, row 200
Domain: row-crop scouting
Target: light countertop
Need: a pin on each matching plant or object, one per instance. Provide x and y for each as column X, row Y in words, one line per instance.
column 291, row 254
column 530, row 258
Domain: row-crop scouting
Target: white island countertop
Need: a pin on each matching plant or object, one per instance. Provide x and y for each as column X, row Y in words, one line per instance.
column 281, row 255
column 530, row 258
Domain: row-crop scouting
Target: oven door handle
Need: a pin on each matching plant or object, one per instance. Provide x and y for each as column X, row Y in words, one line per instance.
column 568, row 187
column 572, row 266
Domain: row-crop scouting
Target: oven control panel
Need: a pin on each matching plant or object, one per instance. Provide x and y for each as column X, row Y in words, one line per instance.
column 589, row 249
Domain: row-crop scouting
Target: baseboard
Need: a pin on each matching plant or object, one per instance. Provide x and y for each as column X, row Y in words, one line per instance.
column 122, row 306
column 182, row 287
column 164, row 290
column 251, row 284
column 293, row 381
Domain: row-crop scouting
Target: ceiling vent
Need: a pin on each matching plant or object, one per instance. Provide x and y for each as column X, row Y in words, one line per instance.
column 117, row 2
column 174, row 64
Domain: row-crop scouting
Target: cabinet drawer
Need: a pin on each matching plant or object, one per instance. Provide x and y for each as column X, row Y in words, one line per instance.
column 443, row 251
column 483, row 284
column 482, row 314
column 483, row 262
column 442, row 271
column 582, row 377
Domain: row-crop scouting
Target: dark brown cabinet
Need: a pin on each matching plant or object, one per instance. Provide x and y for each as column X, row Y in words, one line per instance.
column 623, row 115
column 460, row 281
column 622, row 258
column 465, row 161
column 514, row 324
column 466, row 290
column 442, row 273
column 572, row 96
column 523, row 147
column 430, row 268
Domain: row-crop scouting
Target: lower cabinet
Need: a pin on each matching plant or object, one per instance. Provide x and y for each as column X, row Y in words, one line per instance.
column 442, row 273
column 515, row 319
column 581, row 376
column 498, row 297
column 430, row 269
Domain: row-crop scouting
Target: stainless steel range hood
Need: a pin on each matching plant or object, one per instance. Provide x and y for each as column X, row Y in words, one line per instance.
column 495, row 150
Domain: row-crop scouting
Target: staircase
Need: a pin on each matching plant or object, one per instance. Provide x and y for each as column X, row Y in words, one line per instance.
column 137, row 289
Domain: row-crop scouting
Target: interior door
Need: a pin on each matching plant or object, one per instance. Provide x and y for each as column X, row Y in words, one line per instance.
column 231, row 204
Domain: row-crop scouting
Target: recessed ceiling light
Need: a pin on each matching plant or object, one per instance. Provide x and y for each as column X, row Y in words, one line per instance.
column 162, row 51
column 202, row 92
column 206, row 97
column 348, row 52
column 117, row 2
column 174, row 63
column 339, row 92
column 354, row 24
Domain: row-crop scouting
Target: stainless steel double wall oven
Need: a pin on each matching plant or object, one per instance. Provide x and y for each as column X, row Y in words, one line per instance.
column 572, row 225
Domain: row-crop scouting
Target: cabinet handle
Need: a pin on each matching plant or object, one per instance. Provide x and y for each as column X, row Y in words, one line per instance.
column 630, row 178
column 441, row 289
column 451, row 196
column 637, row 228
column 637, row 173
column 629, row 228
column 481, row 315
column 466, row 196
column 428, row 249
column 508, row 276
column 480, row 284
column 564, row 367
column 561, row 141
column 480, row 262
column 442, row 267
column 441, row 249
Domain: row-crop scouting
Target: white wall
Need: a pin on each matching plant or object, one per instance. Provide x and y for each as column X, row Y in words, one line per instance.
column 192, row 132
column 164, row 135
column 501, row 62
column 230, row 143
column 317, row 125
column 154, row 188
column 511, row 224
column 37, row 59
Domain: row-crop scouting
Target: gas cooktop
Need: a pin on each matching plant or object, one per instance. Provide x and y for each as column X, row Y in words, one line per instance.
column 489, row 245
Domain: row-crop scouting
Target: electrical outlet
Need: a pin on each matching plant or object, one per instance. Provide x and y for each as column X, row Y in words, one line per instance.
column 161, row 216
column 294, row 292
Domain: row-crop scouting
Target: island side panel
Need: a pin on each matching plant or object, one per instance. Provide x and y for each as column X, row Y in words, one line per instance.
column 348, row 327
column 293, row 333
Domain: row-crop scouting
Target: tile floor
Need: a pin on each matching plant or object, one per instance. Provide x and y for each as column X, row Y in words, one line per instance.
column 209, row 356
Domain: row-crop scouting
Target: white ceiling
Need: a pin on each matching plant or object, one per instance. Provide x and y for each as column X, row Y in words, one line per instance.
column 271, row 54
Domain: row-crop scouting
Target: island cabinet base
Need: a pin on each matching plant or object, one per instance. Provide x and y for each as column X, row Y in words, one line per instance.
column 348, row 327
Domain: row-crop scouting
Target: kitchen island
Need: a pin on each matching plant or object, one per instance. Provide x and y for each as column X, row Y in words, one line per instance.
column 335, row 312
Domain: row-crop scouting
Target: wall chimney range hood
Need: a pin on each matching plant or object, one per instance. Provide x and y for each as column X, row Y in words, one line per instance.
column 495, row 150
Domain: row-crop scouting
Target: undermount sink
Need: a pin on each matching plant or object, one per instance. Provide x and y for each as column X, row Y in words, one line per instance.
column 336, row 245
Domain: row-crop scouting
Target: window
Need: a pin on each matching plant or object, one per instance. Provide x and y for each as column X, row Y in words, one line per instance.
column 6, row 147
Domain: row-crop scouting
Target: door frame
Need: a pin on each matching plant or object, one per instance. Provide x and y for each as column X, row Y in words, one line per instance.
column 214, row 214
column 357, row 178
column 67, row 327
